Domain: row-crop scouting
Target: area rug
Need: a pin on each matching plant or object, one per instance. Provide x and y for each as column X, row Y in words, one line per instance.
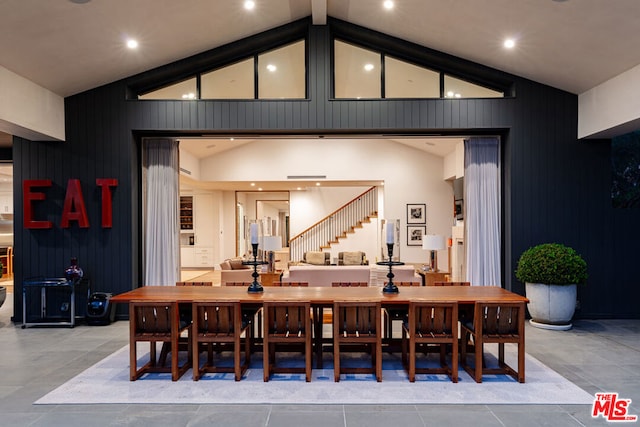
column 108, row 382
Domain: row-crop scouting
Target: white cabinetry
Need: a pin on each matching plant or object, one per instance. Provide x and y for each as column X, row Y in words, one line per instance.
column 204, row 257
column 187, row 256
column 203, row 220
column 196, row 245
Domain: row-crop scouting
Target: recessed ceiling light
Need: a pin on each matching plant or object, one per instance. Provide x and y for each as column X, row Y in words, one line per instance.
column 249, row 4
column 132, row 44
column 232, row 139
column 368, row 67
column 189, row 95
column 509, row 43
column 388, row 4
column 253, row 184
column 271, row 67
column 317, row 184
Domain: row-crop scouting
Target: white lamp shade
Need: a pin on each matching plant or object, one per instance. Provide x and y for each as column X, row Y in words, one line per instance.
column 272, row 243
column 433, row 242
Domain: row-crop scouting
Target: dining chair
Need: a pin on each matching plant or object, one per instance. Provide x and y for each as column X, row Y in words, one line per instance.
column 185, row 316
column 348, row 284
column 250, row 314
column 287, row 324
column 440, row 283
column 465, row 312
column 391, row 314
column 156, row 322
column 194, row 283
column 292, row 284
column 220, row 324
column 498, row 323
column 431, row 323
column 356, row 325
column 327, row 316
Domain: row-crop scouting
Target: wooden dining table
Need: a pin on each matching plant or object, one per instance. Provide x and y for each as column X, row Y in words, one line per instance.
column 319, row 297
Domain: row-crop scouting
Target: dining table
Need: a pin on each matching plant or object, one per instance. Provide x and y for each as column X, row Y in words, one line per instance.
column 319, row 297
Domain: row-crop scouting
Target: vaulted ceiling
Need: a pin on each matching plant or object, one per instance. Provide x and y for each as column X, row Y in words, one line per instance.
column 69, row 46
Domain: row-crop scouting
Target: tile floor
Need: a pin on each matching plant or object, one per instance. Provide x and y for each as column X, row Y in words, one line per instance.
column 602, row 355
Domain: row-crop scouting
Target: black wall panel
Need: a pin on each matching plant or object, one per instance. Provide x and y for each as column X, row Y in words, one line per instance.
column 555, row 188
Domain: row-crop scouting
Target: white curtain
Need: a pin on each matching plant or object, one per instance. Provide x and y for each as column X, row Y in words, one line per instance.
column 482, row 211
column 161, row 212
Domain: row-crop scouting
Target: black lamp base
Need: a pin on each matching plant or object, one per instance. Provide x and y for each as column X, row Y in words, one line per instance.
column 255, row 287
column 390, row 287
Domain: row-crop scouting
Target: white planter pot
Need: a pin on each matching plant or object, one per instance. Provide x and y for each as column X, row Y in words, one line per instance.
column 551, row 306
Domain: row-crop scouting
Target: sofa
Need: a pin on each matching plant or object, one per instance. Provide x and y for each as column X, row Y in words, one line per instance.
column 321, row 275
column 232, row 270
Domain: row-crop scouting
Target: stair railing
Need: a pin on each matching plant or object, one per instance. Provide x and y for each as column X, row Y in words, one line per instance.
column 336, row 225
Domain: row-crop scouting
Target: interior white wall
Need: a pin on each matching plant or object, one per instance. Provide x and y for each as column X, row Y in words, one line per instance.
column 189, row 163
column 313, row 204
column 409, row 176
column 28, row 110
column 611, row 108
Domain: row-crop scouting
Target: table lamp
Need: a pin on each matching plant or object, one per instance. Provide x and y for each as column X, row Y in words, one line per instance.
column 433, row 243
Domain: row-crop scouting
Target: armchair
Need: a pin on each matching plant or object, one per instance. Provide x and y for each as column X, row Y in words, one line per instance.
column 232, row 270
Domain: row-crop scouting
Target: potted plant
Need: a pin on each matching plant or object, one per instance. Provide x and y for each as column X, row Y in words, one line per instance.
column 551, row 273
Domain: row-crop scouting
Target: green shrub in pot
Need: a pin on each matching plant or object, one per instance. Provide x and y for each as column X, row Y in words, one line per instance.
column 553, row 264
column 551, row 273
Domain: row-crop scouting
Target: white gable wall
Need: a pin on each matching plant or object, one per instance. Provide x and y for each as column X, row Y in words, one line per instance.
column 409, row 175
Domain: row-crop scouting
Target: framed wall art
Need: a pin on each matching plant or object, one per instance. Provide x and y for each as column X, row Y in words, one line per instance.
column 415, row 233
column 416, row 213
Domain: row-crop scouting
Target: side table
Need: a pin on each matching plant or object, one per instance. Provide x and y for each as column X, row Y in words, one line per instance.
column 430, row 277
column 267, row 279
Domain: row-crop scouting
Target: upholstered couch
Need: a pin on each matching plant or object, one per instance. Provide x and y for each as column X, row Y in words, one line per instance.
column 232, row 270
column 321, row 275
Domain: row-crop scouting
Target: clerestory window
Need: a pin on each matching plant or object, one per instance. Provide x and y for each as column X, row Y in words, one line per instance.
column 364, row 73
column 275, row 74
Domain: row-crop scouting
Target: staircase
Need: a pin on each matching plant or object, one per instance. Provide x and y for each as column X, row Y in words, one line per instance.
column 336, row 225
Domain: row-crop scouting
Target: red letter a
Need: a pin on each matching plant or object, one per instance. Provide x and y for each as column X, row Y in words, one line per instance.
column 74, row 199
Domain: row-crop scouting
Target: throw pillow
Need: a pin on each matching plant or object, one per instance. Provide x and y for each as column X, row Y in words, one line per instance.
column 352, row 258
column 316, row 258
column 225, row 265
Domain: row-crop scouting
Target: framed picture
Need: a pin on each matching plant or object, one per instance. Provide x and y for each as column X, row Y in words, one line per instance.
column 416, row 213
column 415, row 233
